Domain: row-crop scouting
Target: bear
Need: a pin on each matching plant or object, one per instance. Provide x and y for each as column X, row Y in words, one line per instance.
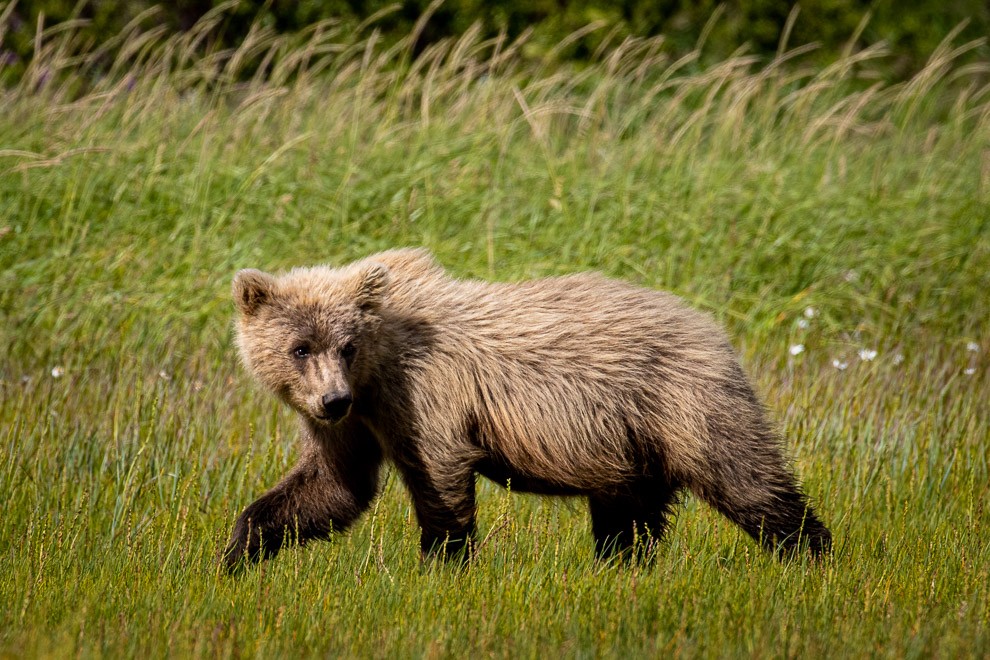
column 578, row 385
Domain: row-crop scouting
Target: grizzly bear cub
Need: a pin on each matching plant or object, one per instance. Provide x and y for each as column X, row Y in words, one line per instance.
column 578, row 385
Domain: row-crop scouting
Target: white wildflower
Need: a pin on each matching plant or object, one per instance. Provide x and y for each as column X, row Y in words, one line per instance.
column 163, row 374
column 973, row 347
column 867, row 354
column 803, row 324
column 796, row 349
column 969, row 371
column 810, row 312
column 898, row 359
column 58, row 372
column 840, row 364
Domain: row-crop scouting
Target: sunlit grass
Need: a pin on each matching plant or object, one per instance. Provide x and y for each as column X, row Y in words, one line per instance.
column 803, row 207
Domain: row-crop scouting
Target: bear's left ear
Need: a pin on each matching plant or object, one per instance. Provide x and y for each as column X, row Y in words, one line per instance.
column 252, row 289
column 374, row 279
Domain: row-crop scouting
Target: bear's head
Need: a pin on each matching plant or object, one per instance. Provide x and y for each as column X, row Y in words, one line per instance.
column 309, row 335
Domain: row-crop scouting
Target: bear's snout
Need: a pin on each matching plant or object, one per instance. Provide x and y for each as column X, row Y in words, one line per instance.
column 336, row 405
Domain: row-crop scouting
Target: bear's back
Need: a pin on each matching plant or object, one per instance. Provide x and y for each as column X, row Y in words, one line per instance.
column 584, row 318
column 535, row 366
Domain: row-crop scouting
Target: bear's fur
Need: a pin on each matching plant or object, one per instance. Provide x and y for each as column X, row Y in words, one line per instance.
column 578, row 385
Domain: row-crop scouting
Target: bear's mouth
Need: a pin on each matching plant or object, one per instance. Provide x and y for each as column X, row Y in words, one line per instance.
column 326, row 419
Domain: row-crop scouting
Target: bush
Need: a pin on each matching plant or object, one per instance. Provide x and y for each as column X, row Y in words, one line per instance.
column 912, row 30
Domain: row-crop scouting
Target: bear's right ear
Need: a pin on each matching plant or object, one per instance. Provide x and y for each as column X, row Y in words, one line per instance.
column 252, row 289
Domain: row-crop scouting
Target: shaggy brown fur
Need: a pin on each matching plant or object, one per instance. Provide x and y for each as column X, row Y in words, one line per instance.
column 576, row 385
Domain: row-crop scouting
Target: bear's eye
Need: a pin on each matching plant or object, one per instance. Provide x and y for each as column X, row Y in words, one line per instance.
column 301, row 351
column 348, row 351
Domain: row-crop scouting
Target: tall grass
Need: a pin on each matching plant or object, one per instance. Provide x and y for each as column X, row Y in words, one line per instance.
column 802, row 206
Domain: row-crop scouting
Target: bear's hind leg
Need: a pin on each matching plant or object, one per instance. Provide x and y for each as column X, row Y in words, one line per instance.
column 781, row 520
column 630, row 524
column 757, row 491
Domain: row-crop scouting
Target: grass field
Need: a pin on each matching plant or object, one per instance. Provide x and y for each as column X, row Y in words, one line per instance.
column 813, row 208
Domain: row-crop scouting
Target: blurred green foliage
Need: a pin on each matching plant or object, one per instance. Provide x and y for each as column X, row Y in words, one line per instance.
column 911, row 30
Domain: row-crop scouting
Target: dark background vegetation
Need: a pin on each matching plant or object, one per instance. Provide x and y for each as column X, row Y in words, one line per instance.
column 911, row 29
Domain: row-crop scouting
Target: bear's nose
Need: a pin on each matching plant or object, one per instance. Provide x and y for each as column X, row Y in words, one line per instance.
column 336, row 405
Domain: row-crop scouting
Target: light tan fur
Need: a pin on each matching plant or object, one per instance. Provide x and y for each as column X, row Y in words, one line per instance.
column 572, row 385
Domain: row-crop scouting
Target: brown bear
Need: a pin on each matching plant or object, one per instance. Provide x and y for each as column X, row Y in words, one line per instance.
column 578, row 385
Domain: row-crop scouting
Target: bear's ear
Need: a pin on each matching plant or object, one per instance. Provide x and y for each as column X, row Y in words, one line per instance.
column 374, row 280
column 252, row 289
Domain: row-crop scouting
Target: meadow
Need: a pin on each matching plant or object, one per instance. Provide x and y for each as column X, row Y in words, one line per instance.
column 836, row 223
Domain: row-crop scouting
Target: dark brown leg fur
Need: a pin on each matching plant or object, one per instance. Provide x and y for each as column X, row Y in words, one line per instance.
column 443, row 497
column 446, row 516
column 631, row 524
column 754, row 488
column 310, row 502
column 748, row 480
column 783, row 522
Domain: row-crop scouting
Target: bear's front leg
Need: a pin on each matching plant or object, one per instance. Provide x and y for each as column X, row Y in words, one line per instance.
column 333, row 483
column 443, row 497
column 292, row 510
